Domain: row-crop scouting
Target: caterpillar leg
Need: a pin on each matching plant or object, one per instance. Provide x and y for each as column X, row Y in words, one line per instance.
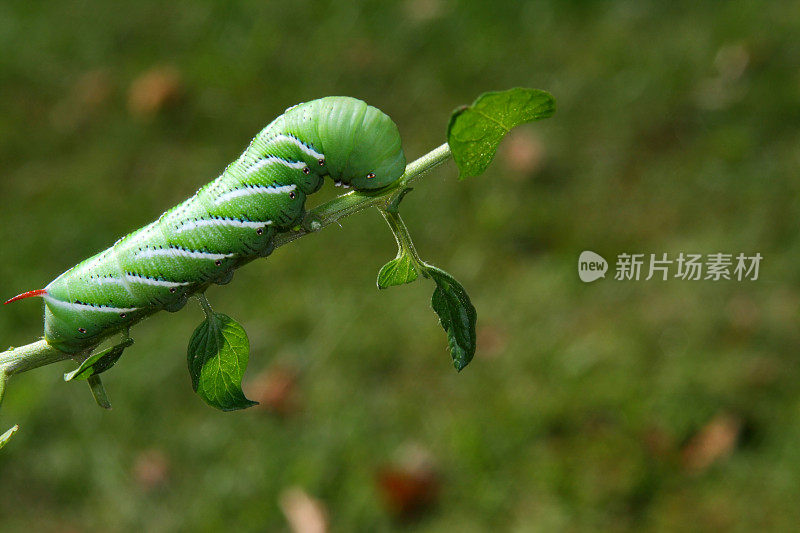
column 126, row 337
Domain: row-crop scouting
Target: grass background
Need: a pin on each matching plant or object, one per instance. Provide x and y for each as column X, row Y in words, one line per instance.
column 618, row 405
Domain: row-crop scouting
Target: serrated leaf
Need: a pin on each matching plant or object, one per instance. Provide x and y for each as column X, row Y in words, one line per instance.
column 5, row 437
column 217, row 358
column 99, row 362
column 457, row 316
column 398, row 271
column 475, row 131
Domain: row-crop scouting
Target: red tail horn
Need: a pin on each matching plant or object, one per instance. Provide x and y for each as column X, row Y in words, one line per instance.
column 29, row 294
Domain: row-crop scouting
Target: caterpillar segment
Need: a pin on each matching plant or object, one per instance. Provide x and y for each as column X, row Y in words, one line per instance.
column 225, row 224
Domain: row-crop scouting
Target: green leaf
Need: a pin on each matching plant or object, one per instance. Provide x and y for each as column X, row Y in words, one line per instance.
column 405, row 267
column 475, row 131
column 398, row 271
column 217, row 358
column 98, row 391
column 456, row 315
column 5, row 437
column 99, row 362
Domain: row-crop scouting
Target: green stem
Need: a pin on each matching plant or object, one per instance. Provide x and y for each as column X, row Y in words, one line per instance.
column 40, row 353
column 3, row 381
column 403, row 238
column 205, row 305
column 7, row 435
column 355, row 201
column 30, row 356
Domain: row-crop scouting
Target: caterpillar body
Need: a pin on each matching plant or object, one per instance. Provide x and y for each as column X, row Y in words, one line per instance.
column 227, row 223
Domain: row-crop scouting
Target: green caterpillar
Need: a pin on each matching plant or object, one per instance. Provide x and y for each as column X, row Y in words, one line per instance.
column 227, row 223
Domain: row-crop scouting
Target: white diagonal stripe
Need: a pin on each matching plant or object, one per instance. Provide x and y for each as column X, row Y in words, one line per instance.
column 86, row 307
column 261, row 163
column 180, row 252
column 300, row 144
column 193, row 224
column 255, row 189
column 144, row 280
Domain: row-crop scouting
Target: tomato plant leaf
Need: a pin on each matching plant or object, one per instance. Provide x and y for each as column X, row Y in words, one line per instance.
column 398, row 271
column 217, row 358
column 457, row 316
column 475, row 131
column 99, row 362
column 98, row 391
column 5, row 437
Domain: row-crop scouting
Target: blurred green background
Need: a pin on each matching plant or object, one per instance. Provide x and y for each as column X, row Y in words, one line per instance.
column 644, row 405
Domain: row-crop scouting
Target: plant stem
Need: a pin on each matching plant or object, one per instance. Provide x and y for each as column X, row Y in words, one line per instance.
column 403, row 238
column 30, row 356
column 40, row 353
column 204, row 304
column 355, row 201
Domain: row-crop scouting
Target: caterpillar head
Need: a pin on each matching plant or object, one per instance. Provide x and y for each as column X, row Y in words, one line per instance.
column 361, row 144
column 376, row 158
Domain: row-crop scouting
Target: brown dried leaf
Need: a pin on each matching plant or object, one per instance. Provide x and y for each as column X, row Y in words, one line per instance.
column 275, row 390
column 523, row 153
column 411, row 485
column 151, row 469
column 715, row 441
column 155, row 90
column 304, row 513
